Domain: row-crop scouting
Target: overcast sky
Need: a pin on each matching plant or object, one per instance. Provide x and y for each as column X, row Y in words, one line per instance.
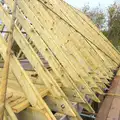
column 92, row 3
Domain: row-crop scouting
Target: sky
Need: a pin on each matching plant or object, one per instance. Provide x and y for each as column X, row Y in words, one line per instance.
column 92, row 3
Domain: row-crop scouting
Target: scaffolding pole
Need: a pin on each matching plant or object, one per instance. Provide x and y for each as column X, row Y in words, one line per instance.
column 4, row 80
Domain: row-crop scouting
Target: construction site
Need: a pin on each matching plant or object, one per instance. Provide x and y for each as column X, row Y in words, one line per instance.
column 64, row 67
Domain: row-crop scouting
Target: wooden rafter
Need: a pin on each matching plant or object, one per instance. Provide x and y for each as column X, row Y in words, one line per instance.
column 68, row 59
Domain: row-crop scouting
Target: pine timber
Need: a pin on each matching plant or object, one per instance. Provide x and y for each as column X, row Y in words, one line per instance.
column 63, row 61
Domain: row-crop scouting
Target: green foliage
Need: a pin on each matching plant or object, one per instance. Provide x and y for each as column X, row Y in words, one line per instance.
column 114, row 23
column 15, row 48
column 105, row 32
column 108, row 23
column 96, row 15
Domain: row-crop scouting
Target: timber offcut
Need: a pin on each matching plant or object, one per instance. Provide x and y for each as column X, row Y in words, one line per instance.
column 55, row 64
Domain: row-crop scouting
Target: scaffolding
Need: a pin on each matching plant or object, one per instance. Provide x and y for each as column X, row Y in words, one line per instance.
column 62, row 61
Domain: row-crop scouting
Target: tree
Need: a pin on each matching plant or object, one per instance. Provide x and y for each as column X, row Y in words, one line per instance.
column 108, row 23
column 114, row 24
column 96, row 15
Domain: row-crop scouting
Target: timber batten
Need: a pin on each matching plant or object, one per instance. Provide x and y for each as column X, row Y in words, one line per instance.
column 69, row 61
